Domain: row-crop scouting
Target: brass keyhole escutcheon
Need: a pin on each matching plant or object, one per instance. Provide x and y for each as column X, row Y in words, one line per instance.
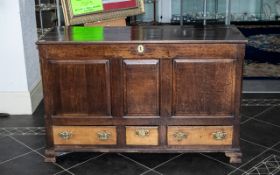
column 140, row 48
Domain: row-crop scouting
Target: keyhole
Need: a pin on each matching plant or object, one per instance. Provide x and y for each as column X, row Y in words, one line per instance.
column 140, row 48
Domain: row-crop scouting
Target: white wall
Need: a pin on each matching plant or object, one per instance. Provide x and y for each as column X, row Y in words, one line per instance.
column 19, row 68
column 29, row 34
column 12, row 64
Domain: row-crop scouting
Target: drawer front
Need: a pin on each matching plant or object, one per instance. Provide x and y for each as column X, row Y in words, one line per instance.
column 139, row 50
column 141, row 135
column 132, row 51
column 84, row 135
column 200, row 135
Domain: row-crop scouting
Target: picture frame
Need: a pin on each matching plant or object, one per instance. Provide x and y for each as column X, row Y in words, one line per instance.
column 113, row 9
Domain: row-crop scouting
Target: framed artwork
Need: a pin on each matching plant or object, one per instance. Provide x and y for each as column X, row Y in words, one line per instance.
column 83, row 7
column 87, row 11
column 119, row 4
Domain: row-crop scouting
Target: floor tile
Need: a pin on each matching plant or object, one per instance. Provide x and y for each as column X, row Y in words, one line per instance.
column 244, row 118
column 24, row 131
column 22, row 121
column 249, row 151
column 10, row 148
column 237, row 172
column 63, row 173
column 35, row 120
column 261, row 95
column 277, row 147
column 152, row 173
column 194, row 164
column 150, row 160
column 30, row 164
column 251, row 111
column 32, row 141
column 265, row 162
column 41, row 151
column 260, row 133
column 109, row 164
column 272, row 116
column 68, row 160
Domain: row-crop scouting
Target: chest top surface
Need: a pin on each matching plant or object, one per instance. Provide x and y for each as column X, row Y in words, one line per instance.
column 143, row 34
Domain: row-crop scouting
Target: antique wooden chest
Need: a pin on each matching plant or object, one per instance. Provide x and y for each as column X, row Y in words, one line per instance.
column 149, row 89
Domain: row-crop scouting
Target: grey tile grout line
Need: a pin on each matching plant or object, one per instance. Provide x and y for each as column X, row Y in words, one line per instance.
column 18, row 156
column 22, row 133
column 39, row 154
column 3, row 136
column 256, row 157
column 239, row 168
column 29, row 129
column 258, row 143
column 7, row 130
column 264, row 111
column 262, row 121
column 254, row 143
column 255, row 167
column 139, row 163
column 81, row 163
column 244, row 115
column 229, row 165
column 256, row 115
column 163, row 163
column 266, row 148
column 261, row 145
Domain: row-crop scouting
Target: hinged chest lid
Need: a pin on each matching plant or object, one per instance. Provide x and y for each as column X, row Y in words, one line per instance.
column 144, row 34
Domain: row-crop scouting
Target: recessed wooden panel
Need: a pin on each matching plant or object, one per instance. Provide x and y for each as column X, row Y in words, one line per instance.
column 141, row 87
column 203, row 87
column 84, row 135
column 199, row 135
column 142, row 135
column 82, row 87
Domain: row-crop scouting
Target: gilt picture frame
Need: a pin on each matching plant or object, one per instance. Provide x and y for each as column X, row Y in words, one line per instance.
column 112, row 9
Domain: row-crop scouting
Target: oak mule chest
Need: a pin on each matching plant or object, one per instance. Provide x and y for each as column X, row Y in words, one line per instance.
column 149, row 89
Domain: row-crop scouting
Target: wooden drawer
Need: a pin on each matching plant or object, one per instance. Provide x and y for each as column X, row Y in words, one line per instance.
column 84, row 135
column 200, row 135
column 141, row 135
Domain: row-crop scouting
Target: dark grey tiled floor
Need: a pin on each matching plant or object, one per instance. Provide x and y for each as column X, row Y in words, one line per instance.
column 22, row 146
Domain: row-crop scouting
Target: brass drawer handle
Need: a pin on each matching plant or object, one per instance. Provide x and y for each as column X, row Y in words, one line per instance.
column 142, row 132
column 179, row 136
column 103, row 135
column 65, row 135
column 219, row 135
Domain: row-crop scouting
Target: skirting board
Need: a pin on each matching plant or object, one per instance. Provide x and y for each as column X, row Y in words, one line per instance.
column 20, row 103
column 36, row 95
